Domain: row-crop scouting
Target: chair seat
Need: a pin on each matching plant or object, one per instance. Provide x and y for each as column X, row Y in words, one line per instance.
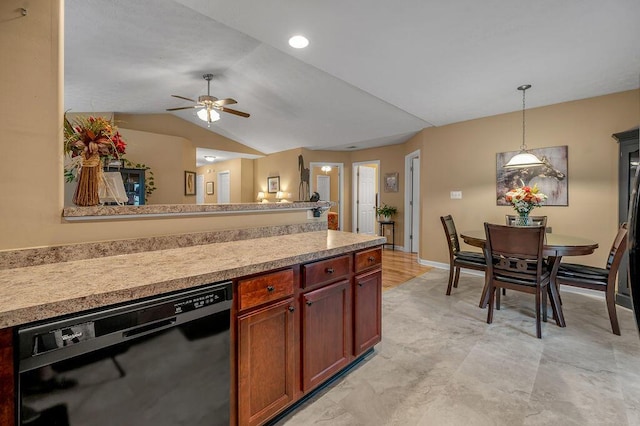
column 591, row 274
column 532, row 282
column 471, row 257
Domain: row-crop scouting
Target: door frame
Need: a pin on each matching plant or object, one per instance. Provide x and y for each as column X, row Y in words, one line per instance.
column 354, row 192
column 407, row 200
column 340, row 167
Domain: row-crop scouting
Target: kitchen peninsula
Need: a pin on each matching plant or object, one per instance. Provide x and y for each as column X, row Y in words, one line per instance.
column 285, row 277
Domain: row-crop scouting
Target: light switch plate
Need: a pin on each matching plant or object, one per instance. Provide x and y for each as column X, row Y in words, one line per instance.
column 456, row 195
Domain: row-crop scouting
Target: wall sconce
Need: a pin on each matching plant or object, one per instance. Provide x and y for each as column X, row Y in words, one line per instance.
column 326, row 169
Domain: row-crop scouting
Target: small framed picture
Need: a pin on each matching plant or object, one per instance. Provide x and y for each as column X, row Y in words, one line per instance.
column 391, row 182
column 189, row 183
column 273, row 184
column 209, row 188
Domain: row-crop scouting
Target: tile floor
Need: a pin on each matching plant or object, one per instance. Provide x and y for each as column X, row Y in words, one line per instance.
column 440, row 363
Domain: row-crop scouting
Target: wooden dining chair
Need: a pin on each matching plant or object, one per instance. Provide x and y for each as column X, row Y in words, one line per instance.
column 536, row 220
column 458, row 258
column 594, row 278
column 515, row 262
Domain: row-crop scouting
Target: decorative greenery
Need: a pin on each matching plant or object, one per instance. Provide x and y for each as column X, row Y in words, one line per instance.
column 386, row 210
column 525, row 199
column 149, row 182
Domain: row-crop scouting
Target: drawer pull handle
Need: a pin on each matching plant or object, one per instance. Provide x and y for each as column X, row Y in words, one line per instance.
column 309, row 303
column 291, row 309
column 270, row 288
column 360, row 284
column 329, row 270
column 372, row 259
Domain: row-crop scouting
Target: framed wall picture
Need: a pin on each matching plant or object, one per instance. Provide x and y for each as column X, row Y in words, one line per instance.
column 189, row 183
column 273, row 184
column 209, row 188
column 391, row 182
column 551, row 178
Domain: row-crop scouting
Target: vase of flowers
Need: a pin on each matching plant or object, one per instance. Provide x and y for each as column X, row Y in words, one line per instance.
column 523, row 200
column 90, row 142
column 385, row 212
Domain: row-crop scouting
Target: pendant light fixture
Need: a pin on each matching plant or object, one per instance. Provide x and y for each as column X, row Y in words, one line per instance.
column 523, row 158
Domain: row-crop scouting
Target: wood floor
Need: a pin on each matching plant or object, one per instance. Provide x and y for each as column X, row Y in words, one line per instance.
column 398, row 267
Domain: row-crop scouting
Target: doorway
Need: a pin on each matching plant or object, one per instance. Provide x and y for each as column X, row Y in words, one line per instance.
column 365, row 196
column 412, row 202
column 200, row 189
column 224, row 190
column 335, row 182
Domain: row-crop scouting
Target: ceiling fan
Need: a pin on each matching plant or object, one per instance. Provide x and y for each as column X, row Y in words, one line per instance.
column 210, row 104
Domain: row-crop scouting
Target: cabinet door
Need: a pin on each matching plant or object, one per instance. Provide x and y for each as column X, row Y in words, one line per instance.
column 266, row 357
column 326, row 332
column 367, row 311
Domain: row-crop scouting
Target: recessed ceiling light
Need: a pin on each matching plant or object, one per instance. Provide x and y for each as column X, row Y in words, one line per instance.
column 298, row 42
column 210, row 158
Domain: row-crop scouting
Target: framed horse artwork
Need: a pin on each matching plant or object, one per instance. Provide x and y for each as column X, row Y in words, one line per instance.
column 551, row 177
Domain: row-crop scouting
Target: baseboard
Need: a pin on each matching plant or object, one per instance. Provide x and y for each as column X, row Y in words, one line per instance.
column 445, row 266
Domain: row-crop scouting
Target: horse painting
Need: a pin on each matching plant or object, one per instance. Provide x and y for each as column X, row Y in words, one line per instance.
column 550, row 177
column 303, row 188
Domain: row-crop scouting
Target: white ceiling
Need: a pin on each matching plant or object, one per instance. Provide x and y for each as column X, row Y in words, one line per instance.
column 375, row 72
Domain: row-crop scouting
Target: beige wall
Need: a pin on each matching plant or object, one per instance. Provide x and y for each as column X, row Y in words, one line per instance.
column 31, row 179
column 462, row 157
column 283, row 164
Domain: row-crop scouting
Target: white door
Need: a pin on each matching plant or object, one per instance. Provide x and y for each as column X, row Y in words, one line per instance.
column 224, row 189
column 415, row 204
column 200, row 189
column 366, row 200
column 323, row 185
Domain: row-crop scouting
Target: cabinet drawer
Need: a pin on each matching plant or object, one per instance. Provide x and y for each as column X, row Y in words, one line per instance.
column 368, row 259
column 325, row 271
column 264, row 288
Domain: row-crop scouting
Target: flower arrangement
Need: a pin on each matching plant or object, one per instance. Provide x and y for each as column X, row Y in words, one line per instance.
column 525, row 199
column 86, row 136
column 386, row 211
column 90, row 142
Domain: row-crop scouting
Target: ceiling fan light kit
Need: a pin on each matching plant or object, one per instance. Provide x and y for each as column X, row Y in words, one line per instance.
column 523, row 158
column 210, row 105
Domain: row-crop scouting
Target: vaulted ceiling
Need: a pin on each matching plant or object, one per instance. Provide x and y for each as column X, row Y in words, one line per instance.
column 375, row 72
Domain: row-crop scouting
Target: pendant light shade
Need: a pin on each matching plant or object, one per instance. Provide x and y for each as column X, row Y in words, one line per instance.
column 523, row 158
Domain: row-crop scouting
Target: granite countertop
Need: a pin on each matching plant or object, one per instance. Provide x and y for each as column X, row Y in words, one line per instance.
column 39, row 292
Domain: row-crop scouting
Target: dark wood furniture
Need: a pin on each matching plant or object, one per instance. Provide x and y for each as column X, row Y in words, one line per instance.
column 629, row 155
column 515, row 262
column 555, row 247
column 298, row 327
column 601, row 279
column 457, row 258
column 535, row 220
column 133, row 180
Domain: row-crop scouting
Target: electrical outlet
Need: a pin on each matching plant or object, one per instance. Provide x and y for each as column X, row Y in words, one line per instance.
column 548, row 229
column 456, row 195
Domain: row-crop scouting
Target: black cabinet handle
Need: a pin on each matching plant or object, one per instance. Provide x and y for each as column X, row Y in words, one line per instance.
column 309, row 303
column 329, row 270
column 360, row 284
column 291, row 309
column 270, row 288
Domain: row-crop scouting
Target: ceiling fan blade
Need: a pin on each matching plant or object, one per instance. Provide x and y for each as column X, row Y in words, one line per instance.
column 227, row 101
column 182, row 97
column 235, row 112
column 179, row 108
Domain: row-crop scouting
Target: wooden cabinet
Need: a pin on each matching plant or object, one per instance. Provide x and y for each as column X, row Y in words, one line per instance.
column 296, row 328
column 326, row 332
column 7, row 405
column 367, row 311
column 266, row 362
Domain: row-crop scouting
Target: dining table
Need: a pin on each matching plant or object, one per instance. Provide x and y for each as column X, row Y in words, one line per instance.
column 555, row 247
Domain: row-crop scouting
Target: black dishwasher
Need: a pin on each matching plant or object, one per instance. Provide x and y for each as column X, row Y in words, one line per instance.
column 159, row 361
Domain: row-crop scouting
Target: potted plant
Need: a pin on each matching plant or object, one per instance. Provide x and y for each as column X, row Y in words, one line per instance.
column 385, row 212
